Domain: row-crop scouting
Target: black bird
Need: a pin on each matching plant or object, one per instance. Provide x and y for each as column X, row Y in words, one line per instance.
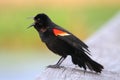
column 64, row 43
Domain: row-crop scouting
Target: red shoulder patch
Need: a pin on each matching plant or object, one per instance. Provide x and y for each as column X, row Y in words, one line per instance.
column 60, row 32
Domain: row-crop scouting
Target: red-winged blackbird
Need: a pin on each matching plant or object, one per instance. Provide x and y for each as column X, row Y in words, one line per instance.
column 64, row 43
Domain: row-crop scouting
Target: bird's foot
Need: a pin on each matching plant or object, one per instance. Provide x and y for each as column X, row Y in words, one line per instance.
column 54, row 66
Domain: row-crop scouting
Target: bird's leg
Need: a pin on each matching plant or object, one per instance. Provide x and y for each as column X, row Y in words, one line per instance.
column 57, row 65
column 60, row 61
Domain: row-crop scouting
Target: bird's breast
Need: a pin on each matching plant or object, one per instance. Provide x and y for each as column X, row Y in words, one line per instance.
column 55, row 44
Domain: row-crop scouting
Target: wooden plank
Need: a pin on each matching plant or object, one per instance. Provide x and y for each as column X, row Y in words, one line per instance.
column 105, row 49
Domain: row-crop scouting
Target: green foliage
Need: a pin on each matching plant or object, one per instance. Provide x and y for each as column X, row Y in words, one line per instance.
column 13, row 22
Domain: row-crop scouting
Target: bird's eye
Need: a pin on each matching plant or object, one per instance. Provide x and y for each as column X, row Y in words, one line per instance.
column 38, row 19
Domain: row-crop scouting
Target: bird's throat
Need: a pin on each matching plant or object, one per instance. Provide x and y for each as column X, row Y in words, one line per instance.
column 43, row 30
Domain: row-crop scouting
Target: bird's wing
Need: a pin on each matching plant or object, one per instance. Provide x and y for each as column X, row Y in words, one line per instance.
column 71, row 39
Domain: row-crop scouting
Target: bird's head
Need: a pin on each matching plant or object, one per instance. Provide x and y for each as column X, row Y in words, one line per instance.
column 41, row 21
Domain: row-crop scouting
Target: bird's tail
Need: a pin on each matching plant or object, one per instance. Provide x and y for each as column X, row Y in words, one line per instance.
column 83, row 60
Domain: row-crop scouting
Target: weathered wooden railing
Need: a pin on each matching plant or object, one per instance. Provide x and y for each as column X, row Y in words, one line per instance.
column 105, row 49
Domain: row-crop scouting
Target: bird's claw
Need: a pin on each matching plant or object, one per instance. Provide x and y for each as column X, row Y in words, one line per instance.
column 54, row 66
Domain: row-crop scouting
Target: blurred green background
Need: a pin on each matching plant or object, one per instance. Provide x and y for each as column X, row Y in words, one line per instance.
column 22, row 54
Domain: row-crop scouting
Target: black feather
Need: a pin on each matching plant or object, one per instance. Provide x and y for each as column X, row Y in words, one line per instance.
column 64, row 45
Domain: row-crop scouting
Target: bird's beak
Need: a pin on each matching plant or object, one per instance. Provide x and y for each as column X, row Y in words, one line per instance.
column 31, row 25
